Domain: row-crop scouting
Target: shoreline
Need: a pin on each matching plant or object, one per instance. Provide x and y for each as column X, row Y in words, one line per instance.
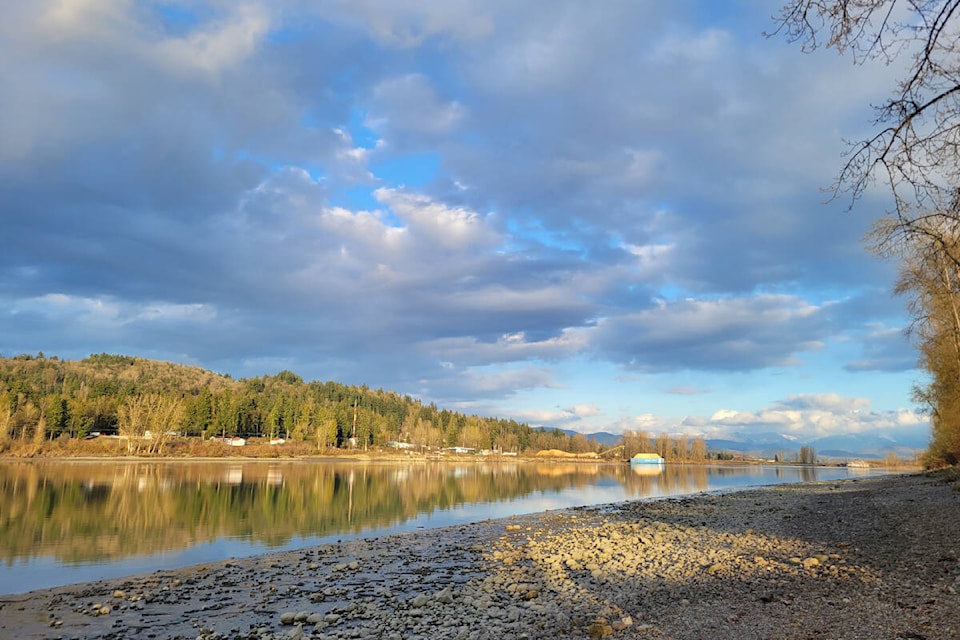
column 902, row 467
column 861, row 558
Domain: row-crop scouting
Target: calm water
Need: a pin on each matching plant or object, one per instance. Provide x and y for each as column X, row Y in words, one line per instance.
column 66, row 522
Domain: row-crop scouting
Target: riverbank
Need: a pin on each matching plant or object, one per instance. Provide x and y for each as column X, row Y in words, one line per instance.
column 870, row 558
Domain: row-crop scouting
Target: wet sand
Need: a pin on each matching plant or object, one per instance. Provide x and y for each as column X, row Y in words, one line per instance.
column 869, row 558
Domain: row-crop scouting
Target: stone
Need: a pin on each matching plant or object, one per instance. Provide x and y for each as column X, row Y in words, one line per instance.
column 419, row 600
column 296, row 633
column 599, row 629
column 622, row 623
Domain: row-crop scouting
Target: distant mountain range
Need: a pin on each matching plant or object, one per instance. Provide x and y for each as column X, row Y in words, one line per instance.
column 902, row 442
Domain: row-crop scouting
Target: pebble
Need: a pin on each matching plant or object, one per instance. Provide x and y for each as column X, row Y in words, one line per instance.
column 419, row 600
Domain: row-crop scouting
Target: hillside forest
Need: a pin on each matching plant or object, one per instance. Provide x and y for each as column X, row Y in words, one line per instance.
column 47, row 403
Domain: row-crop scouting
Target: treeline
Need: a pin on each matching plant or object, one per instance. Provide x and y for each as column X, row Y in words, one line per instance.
column 45, row 398
column 672, row 448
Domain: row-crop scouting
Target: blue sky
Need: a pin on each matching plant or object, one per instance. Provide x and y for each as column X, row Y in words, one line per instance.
column 588, row 216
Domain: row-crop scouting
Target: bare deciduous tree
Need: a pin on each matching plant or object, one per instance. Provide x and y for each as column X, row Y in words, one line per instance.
column 635, row 442
column 147, row 420
column 6, row 417
column 914, row 152
column 133, row 421
column 807, row 455
column 664, row 445
column 698, row 450
column 914, row 147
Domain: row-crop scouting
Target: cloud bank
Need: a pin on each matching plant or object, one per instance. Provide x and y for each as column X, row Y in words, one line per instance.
column 483, row 205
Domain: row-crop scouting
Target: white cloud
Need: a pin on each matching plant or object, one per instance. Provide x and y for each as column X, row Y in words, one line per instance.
column 575, row 418
column 97, row 17
column 651, row 423
column 492, row 383
column 732, row 333
column 220, row 46
column 108, row 313
column 827, row 402
column 517, row 347
column 410, row 104
column 584, row 410
column 86, row 311
column 440, row 226
column 810, row 416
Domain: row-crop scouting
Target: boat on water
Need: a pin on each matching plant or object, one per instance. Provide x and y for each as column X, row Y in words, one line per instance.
column 646, row 464
column 646, row 458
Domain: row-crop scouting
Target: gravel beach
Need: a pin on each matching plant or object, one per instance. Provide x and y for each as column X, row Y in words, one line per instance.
column 869, row 558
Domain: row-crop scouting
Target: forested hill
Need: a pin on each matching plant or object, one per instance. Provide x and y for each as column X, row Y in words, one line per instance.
column 45, row 398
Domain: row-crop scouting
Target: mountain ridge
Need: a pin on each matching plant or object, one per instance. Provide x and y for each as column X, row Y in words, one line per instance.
column 904, row 443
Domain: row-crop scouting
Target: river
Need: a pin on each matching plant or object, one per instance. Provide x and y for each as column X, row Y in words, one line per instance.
column 63, row 522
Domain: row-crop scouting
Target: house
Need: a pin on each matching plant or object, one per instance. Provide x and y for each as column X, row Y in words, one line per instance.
column 460, row 450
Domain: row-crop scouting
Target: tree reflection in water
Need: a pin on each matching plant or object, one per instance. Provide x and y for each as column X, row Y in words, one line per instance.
column 100, row 512
column 84, row 512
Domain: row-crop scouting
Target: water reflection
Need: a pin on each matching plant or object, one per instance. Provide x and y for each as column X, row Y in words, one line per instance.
column 64, row 514
column 82, row 512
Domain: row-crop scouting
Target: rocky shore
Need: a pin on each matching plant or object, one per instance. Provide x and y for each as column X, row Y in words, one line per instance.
column 871, row 558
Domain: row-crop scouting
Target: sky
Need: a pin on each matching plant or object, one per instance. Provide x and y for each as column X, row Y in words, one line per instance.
column 591, row 216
